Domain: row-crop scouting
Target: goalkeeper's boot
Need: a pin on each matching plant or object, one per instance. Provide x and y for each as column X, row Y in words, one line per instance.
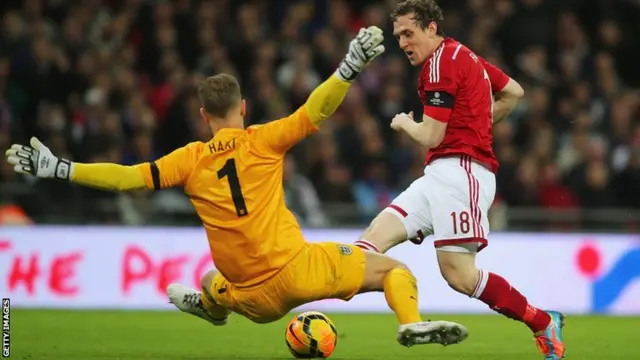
column 431, row 332
column 549, row 341
column 190, row 301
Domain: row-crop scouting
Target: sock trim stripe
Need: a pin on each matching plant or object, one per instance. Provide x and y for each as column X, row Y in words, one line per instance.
column 366, row 245
column 483, row 277
column 475, row 288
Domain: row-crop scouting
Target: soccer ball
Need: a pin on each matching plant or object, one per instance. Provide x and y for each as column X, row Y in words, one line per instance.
column 311, row 335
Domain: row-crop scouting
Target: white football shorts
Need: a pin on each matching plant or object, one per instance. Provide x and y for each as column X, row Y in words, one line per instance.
column 450, row 201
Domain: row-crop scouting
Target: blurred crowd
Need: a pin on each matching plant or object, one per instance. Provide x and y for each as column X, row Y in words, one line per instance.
column 115, row 81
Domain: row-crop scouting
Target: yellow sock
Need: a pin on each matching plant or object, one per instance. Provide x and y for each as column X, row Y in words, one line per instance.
column 214, row 309
column 401, row 292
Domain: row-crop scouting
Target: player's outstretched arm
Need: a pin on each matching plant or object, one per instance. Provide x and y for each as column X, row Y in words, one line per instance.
column 37, row 160
column 506, row 100
column 327, row 97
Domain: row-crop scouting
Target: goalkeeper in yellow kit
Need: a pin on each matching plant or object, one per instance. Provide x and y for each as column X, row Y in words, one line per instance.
column 265, row 268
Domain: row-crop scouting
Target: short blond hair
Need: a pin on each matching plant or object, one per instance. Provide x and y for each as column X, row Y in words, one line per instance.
column 219, row 94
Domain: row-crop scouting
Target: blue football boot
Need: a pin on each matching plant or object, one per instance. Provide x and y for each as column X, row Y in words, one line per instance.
column 549, row 341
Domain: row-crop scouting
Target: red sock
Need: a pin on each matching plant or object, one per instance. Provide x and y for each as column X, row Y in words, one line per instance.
column 366, row 245
column 496, row 292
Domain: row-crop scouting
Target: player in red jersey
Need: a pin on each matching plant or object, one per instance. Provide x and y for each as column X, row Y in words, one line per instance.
column 451, row 200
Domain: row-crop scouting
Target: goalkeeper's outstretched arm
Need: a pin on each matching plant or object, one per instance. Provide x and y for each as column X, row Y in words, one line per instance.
column 170, row 170
column 326, row 98
column 106, row 176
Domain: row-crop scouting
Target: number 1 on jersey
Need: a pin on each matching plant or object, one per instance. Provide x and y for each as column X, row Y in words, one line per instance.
column 229, row 170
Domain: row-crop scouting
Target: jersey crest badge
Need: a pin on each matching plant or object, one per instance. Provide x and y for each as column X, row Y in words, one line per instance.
column 345, row 250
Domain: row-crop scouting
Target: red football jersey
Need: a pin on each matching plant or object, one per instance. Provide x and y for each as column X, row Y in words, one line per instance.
column 456, row 86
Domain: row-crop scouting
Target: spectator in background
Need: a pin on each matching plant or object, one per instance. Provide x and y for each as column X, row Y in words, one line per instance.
column 553, row 193
column 627, row 182
column 328, row 173
column 13, row 215
column 301, row 196
column 372, row 192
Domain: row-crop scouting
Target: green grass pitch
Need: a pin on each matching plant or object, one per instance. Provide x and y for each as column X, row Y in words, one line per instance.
column 119, row 335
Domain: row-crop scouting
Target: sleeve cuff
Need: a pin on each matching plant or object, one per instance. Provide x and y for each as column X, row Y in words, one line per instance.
column 438, row 113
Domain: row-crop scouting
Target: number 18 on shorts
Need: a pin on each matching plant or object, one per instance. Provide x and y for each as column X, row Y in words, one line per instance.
column 450, row 201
